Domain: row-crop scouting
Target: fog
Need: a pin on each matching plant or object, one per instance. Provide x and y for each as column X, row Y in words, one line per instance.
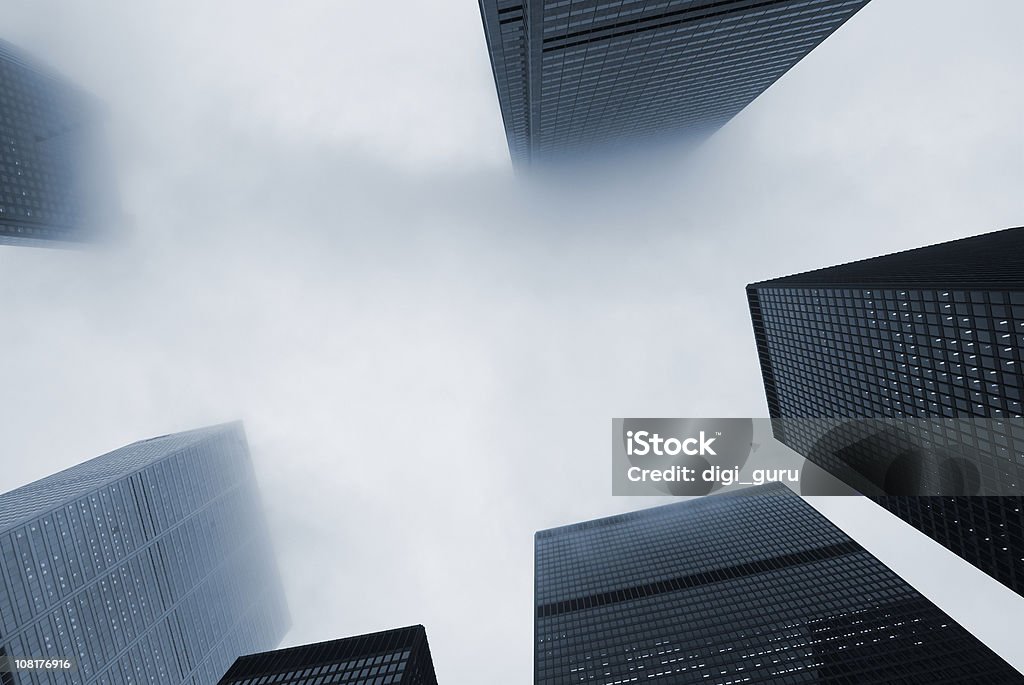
column 324, row 237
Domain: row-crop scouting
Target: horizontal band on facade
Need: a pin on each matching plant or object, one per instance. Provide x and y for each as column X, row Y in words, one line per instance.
column 698, row 579
column 663, row 20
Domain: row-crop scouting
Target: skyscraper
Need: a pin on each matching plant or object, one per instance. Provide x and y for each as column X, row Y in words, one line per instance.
column 930, row 335
column 150, row 564
column 392, row 656
column 748, row 587
column 55, row 180
column 573, row 75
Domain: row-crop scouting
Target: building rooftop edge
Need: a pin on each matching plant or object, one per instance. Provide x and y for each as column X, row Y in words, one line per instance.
column 807, row 278
column 26, row 490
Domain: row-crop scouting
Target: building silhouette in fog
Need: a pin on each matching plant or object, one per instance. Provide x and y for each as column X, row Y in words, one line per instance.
column 931, row 338
column 56, row 184
column 392, row 656
column 585, row 75
column 148, row 564
column 753, row 586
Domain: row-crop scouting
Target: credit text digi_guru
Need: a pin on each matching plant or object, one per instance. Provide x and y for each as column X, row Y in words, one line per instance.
column 643, row 443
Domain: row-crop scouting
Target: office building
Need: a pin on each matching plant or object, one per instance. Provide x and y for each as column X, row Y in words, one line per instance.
column 150, row 564
column 753, row 586
column 930, row 339
column 56, row 185
column 392, row 656
column 579, row 75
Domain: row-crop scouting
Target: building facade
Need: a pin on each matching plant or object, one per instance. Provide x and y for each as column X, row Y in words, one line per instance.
column 578, row 75
column 55, row 178
column 150, row 564
column 392, row 656
column 930, row 338
column 748, row 587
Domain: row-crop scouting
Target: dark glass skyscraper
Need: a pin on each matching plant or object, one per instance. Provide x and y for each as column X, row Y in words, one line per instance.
column 55, row 181
column 150, row 564
column 927, row 334
column 748, row 587
column 393, row 656
column 573, row 75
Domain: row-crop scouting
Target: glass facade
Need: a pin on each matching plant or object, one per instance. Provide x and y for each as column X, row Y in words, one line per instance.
column 576, row 75
column 931, row 333
column 150, row 564
column 393, row 656
column 55, row 181
column 748, row 587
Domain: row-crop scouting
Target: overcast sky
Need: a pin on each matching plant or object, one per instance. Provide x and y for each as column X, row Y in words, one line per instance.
column 327, row 241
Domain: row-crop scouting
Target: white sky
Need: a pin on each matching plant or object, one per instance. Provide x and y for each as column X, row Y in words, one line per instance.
column 329, row 244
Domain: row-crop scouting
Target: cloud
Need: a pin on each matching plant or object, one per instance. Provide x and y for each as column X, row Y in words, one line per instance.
column 329, row 244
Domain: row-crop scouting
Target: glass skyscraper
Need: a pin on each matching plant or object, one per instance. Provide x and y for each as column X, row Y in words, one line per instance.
column 747, row 587
column 930, row 336
column 55, row 178
column 150, row 564
column 576, row 75
column 392, row 656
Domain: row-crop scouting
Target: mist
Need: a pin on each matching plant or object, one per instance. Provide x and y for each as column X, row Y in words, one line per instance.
column 324, row 237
